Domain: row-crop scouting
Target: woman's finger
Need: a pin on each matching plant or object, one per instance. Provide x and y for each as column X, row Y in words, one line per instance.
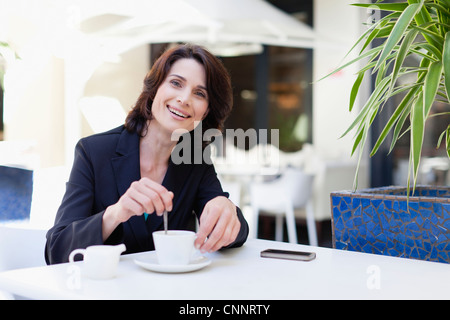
column 217, row 225
column 159, row 195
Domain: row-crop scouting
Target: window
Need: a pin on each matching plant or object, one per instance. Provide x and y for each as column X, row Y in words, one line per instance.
column 273, row 91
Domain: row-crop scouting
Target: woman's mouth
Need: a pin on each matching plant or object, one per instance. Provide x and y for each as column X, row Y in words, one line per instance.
column 178, row 112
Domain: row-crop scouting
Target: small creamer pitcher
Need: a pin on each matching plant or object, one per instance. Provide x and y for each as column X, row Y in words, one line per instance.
column 100, row 261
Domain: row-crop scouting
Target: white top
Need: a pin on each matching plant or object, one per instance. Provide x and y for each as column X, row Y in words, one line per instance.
column 242, row 274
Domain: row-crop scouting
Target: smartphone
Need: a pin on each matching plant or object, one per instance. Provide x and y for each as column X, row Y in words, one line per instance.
column 289, row 255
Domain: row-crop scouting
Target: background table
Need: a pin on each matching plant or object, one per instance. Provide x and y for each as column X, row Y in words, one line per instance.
column 242, row 274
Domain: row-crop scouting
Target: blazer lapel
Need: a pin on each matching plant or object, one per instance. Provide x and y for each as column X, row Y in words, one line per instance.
column 127, row 170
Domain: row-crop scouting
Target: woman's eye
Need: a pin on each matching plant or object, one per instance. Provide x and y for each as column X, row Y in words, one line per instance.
column 176, row 83
column 201, row 94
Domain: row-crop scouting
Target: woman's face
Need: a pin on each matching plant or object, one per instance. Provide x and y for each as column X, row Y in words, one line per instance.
column 181, row 101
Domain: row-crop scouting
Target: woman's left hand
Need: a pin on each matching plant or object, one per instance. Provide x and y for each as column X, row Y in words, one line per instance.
column 219, row 225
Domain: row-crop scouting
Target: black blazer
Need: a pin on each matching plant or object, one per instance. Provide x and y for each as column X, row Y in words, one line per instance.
column 104, row 167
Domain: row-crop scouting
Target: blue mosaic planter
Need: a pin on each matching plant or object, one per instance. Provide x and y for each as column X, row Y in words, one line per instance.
column 379, row 221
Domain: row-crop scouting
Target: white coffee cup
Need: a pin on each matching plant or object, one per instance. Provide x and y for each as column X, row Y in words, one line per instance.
column 100, row 261
column 174, row 248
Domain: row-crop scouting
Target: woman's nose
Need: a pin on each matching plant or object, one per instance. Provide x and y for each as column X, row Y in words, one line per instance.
column 183, row 99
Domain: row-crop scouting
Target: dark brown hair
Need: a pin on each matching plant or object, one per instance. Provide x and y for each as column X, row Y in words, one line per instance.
column 218, row 85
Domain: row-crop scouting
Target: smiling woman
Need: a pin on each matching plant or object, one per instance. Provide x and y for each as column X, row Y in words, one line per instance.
column 120, row 177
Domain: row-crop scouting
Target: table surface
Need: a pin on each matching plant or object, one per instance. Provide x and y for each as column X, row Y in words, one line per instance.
column 241, row 273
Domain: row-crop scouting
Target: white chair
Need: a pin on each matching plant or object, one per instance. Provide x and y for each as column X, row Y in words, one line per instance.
column 280, row 197
column 20, row 247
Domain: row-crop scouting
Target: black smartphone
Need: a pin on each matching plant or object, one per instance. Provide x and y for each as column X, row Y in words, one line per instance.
column 289, row 255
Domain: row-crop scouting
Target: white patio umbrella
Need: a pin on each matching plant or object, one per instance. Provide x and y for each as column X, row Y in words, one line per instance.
column 222, row 25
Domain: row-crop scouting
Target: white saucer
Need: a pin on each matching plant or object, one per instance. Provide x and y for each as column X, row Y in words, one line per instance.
column 150, row 262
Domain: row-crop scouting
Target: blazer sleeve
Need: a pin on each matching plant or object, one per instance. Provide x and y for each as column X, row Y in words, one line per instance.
column 210, row 188
column 75, row 224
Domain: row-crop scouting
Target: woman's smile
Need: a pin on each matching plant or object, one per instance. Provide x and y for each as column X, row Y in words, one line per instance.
column 177, row 112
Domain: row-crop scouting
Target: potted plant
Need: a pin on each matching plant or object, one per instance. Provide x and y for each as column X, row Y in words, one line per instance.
column 411, row 221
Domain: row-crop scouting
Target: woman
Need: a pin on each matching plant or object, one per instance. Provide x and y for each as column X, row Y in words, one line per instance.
column 119, row 178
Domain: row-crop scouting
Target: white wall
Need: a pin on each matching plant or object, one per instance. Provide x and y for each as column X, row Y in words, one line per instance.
column 33, row 99
column 33, row 107
column 338, row 25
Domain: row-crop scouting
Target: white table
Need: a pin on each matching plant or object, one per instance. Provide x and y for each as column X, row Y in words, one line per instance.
column 242, row 274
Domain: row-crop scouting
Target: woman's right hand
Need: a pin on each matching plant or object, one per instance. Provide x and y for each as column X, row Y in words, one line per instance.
column 142, row 196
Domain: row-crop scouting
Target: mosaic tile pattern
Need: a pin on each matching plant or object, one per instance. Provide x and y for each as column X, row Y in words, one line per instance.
column 379, row 221
column 16, row 188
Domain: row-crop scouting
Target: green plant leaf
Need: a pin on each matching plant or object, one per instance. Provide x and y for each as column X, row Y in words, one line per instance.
column 379, row 25
column 381, row 74
column 431, row 85
column 355, row 89
column 408, row 185
column 446, row 63
column 368, row 53
column 363, row 138
column 426, row 17
column 439, row 7
column 399, row 126
column 417, row 131
column 371, row 64
column 398, row 31
column 433, row 38
column 395, row 118
column 373, row 99
column 383, row 6
column 445, row 133
column 441, row 136
column 422, row 54
column 358, row 138
column 446, row 3
column 401, row 55
column 370, row 38
column 386, row 31
column 448, row 141
column 431, row 49
column 364, row 35
column 422, row 19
